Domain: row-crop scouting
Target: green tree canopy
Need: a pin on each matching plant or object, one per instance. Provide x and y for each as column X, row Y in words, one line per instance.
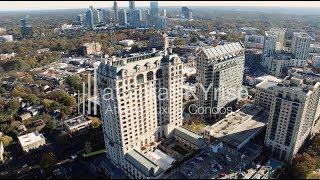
column 48, row 161
column 75, row 82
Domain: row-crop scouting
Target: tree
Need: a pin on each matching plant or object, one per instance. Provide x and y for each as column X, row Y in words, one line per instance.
column 179, row 42
column 31, row 98
column 95, row 122
column 303, row 165
column 87, row 147
column 50, row 125
column 65, row 112
column 48, row 161
column 6, row 140
column 75, row 82
column 63, row 98
column 12, row 107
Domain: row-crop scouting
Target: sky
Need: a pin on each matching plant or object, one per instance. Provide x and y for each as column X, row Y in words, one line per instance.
column 44, row 5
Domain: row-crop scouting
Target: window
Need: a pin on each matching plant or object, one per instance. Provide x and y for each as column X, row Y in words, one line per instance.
column 159, row 73
column 140, row 79
column 150, row 76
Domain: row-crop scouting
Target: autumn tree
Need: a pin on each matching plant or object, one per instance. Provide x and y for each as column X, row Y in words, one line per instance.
column 303, row 165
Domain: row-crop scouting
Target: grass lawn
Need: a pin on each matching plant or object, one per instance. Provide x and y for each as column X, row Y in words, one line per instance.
column 94, row 153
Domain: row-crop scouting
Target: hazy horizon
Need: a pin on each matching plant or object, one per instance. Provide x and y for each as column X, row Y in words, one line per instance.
column 57, row 5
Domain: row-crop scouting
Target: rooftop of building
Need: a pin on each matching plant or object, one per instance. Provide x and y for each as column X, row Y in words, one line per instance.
column 283, row 55
column 306, row 74
column 190, row 136
column 225, row 51
column 267, row 84
column 301, row 34
column 239, row 126
column 270, row 33
column 76, row 121
column 268, row 78
column 141, row 162
column 30, row 138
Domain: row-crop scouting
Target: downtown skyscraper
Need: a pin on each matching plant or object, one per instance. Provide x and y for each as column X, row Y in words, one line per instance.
column 115, row 11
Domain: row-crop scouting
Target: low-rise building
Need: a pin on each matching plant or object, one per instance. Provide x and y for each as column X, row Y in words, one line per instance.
column 189, row 139
column 254, row 41
column 31, row 141
column 238, row 127
column 1, row 151
column 7, row 56
column 93, row 48
column 126, row 42
column 24, row 116
column 77, row 123
column 6, row 38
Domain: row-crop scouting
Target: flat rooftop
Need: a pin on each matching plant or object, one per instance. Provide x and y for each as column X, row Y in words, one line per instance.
column 268, row 77
column 267, row 84
column 301, row 34
column 30, row 138
column 76, row 120
column 283, row 55
column 240, row 126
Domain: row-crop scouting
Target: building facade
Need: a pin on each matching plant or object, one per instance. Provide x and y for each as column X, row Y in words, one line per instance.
column 140, row 115
column 269, row 48
column 300, row 45
column 220, row 68
column 122, row 15
column 115, row 11
column 280, row 33
column 31, row 141
column 292, row 116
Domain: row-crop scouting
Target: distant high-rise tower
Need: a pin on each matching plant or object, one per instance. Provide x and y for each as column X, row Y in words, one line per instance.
column 154, row 8
column 186, row 12
column 132, row 4
column 89, row 18
column 80, row 18
column 107, row 15
column 269, row 48
column 115, row 11
column 300, row 45
column 26, row 29
column 122, row 17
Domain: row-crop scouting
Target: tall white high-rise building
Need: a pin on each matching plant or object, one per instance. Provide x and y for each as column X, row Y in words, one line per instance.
column 269, row 48
column 220, row 68
column 300, row 45
column 146, row 105
column 280, row 32
column 292, row 106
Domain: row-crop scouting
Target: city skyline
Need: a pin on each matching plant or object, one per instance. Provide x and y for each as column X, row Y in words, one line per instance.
column 46, row 5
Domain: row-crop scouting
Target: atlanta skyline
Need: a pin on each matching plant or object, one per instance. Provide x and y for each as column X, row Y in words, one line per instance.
column 48, row 5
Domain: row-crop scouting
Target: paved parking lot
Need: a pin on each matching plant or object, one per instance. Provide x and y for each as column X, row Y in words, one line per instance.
column 209, row 164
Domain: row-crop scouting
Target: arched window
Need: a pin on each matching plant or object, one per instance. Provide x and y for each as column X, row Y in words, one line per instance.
column 159, row 73
column 150, row 75
column 140, row 79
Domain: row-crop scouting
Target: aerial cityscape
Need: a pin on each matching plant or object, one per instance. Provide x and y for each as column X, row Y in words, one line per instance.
column 160, row 90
